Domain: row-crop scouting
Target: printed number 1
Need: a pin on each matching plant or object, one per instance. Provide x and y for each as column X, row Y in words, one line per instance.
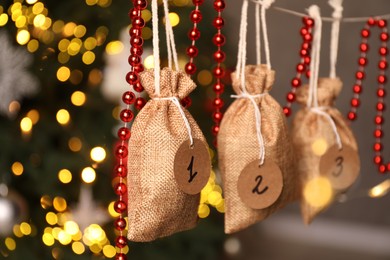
column 255, row 190
column 339, row 164
column 189, row 168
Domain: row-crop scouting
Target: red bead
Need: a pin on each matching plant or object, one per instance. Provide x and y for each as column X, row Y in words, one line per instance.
column 388, row 167
column 132, row 77
column 135, row 32
column 120, row 206
column 379, row 120
column 371, row 22
column 304, row 31
column 136, row 51
column 138, row 68
column 382, row 65
column 309, row 22
column 126, row 115
column 186, row 102
column 378, row 159
column 301, row 67
column 383, row 51
column 378, row 133
column 138, row 87
column 308, row 37
column 120, row 224
column 364, row 47
column 120, row 170
column 215, row 129
column 120, row 189
column 197, row 2
column 219, row 5
column 128, row 97
column 192, row 51
column 357, row 89
column 360, row 75
column 365, row 33
column 124, row 133
column 136, row 41
column 218, row 88
column 363, row 61
column 219, row 39
column 307, row 60
column 382, row 79
column 306, row 45
column 219, row 56
column 381, row 92
column 287, row 111
column 196, row 16
column 380, row 106
column 355, row 102
column 308, row 74
column 138, row 22
column 304, row 52
column 121, row 152
column 296, row 82
column 139, row 103
column 194, row 34
column 190, row 68
column 384, row 37
column 352, row 116
column 218, row 72
column 134, row 60
column 133, row 13
column 120, row 256
column 217, row 116
column 378, row 147
column 140, row 4
column 218, row 22
column 382, row 23
column 382, row 168
column 121, row 241
column 218, row 102
column 290, row 97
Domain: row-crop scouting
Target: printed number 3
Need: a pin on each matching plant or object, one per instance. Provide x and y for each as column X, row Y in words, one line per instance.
column 339, row 164
column 255, row 190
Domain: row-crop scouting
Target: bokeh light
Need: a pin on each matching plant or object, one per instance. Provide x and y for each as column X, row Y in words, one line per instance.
column 65, row 176
column 318, row 192
column 98, row 154
column 17, row 168
column 88, row 175
column 63, row 116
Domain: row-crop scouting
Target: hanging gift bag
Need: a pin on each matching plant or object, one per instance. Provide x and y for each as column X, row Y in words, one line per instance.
column 255, row 151
column 328, row 162
column 168, row 160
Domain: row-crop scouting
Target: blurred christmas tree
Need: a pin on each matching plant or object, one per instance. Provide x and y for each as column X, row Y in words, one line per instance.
column 56, row 159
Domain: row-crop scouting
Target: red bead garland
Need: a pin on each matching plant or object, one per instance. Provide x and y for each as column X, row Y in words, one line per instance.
column 218, row 72
column 303, row 66
column 381, row 92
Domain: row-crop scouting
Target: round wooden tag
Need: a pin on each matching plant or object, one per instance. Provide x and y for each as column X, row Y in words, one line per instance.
column 192, row 166
column 260, row 186
column 340, row 166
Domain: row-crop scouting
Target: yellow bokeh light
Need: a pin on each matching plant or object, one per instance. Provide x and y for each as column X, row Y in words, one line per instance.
column 91, row 2
column 39, row 20
column 75, row 144
column 33, row 45
column 21, row 21
column 63, row 116
column 33, row 115
column 46, row 201
column 203, row 211
column 95, row 248
column 78, row 98
column 3, row 19
column 380, row 190
column 214, row 198
column 16, row 230
column 114, row 47
column 31, row 1
column 58, row 26
column 80, row 31
column 38, row 8
column 10, row 244
column 149, row 62
column 104, row 3
column 76, row 77
column 147, row 33
column 319, row 146
column 98, row 154
column 25, row 228
column 63, row 57
column 94, row 234
column 68, row 29
column 23, row 37
column 17, row 168
column 64, row 238
column 221, row 206
column 88, row 175
column 51, row 218
column 65, row 176
column 88, row 57
column 78, row 248
column 318, row 192
column 60, row 204
column 48, row 239
column 174, row 19
column 90, row 43
column 71, row 227
column 112, row 211
column 109, row 251
column 74, row 47
column 63, row 45
column 205, row 77
column 95, row 77
column 63, row 74
column 146, row 15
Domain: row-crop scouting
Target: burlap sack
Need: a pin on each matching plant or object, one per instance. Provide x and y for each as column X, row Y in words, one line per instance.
column 156, row 206
column 238, row 145
column 307, row 127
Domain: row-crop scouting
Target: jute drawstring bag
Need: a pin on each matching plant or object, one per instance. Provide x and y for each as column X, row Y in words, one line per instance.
column 328, row 162
column 255, row 151
column 157, row 204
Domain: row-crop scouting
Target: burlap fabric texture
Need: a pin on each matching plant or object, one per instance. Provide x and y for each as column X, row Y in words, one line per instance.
column 156, row 206
column 238, row 145
column 307, row 127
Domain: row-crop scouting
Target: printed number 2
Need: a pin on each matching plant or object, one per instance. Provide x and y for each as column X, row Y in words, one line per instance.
column 189, row 168
column 339, row 164
column 255, row 190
